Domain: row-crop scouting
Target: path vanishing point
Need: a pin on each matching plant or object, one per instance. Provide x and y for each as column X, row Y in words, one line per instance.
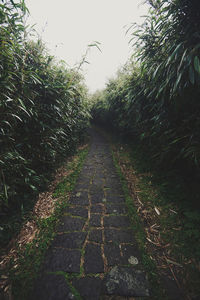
column 94, row 254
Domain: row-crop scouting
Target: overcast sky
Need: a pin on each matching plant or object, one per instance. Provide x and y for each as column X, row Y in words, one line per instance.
column 67, row 27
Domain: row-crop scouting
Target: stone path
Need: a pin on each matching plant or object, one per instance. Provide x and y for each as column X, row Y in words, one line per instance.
column 94, row 254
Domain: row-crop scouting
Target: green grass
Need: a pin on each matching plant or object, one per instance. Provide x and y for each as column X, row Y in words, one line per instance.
column 30, row 258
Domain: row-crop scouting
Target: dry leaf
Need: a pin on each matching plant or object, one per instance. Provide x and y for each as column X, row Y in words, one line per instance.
column 169, row 261
column 157, row 211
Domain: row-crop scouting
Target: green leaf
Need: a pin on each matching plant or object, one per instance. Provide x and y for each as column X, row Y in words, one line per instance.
column 17, row 117
column 191, row 75
column 197, row 64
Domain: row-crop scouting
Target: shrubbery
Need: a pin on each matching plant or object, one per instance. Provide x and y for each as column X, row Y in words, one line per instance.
column 43, row 114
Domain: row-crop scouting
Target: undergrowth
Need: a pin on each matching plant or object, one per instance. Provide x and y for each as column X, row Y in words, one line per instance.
column 178, row 219
column 156, row 289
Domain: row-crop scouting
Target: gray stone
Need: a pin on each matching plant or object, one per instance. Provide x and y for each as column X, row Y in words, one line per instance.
column 126, row 281
column 131, row 254
column 73, row 240
column 112, row 254
column 79, row 198
column 115, row 198
column 119, row 236
column 69, row 223
column 78, row 211
column 118, row 209
column 95, row 220
column 98, row 180
column 88, row 287
column 96, row 236
column 115, row 190
column 58, row 259
column 116, row 221
column 98, row 208
column 97, row 197
column 51, row 287
column 93, row 259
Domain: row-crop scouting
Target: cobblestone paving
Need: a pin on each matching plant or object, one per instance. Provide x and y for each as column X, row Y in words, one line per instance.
column 94, row 254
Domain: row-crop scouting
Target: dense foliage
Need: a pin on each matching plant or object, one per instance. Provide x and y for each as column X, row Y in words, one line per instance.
column 156, row 96
column 42, row 112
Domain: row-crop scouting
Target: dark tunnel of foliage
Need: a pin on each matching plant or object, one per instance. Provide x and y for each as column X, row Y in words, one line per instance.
column 156, row 97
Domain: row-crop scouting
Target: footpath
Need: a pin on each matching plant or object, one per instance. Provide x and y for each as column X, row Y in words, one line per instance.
column 94, row 254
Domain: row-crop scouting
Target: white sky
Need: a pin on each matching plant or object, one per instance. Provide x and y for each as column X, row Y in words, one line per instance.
column 68, row 26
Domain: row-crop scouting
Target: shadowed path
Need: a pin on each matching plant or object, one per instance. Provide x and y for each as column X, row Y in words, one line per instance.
column 94, row 253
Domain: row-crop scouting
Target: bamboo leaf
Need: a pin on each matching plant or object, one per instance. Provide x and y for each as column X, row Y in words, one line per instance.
column 191, row 75
column 197, row 64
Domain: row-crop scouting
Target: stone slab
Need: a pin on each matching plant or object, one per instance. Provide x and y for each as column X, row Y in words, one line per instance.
column 73, row 240
column 95, row 220
column 79, row 198
column 88, row 287
column 116, row 221
column 97, row 208
column 96, row 236
column 131, row 255
column 51, row 287
column 93, row 260
column 78, row 211
column 97, row 197
column 112, row 254
column 118, row 209
column 126, row 281
column 69, row 223
column 119, row 236
column 58, row 259
column 115, row 198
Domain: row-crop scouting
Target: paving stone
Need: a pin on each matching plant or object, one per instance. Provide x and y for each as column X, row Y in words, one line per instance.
column 93, row 260
column 80, row 187
column 51, row 287
column 88, row 287
column 131, row 255
column 97, row 208
column 96, row 236
column 97, row 197
column 98, row 180
column 114, row 190
column 126, row 281
column 118, row 209
column 69, row 223
column 112, row 253
column 73, row 240
column 110, row 198
column 116, row 221
column 59, row 259
column 79, row 198
column 83, row 180
column 78, row 211
column 95, row 220
column 119, row 236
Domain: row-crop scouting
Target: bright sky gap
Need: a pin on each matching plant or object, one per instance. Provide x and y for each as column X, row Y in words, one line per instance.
column 67, row 27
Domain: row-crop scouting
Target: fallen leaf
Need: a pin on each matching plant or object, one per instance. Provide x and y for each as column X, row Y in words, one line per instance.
column 157, row 211
column 169, row 261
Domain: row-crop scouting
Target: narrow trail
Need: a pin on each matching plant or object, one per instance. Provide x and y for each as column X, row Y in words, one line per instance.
column 94, row 254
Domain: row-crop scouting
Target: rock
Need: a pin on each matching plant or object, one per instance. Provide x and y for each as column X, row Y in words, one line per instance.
column 125, row 281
